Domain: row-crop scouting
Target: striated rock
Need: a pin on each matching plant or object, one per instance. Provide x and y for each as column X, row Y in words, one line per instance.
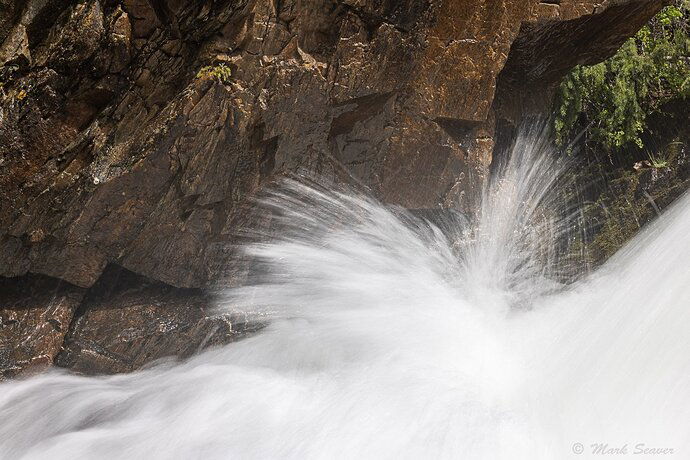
column 35, row 314
column 123, row 322
column 116, row 148
column 73, row 38
column 127, row 321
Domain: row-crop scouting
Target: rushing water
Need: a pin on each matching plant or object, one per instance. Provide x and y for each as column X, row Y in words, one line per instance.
column 388, row 338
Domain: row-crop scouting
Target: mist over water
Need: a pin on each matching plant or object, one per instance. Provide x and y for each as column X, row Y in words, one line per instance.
column 388, row 338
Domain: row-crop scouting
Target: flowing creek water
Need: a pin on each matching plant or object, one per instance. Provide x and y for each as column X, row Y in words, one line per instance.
column 388, row 338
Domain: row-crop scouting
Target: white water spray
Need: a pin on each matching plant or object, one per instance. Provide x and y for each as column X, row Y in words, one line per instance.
column 388, row 339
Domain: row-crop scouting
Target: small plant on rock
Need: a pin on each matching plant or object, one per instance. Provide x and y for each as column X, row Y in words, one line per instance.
column 657, row 160
column 218, row 72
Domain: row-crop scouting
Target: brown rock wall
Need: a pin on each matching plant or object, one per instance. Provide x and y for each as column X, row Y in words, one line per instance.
column 35, row 315
column 135, row 132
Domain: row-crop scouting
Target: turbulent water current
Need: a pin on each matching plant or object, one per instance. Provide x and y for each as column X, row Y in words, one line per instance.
column 387, row 337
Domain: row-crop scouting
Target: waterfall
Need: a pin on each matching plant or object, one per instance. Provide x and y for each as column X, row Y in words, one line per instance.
column 386, row 337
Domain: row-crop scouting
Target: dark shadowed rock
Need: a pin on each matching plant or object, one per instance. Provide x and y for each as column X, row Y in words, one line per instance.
column 126, row 322
column 35, row 314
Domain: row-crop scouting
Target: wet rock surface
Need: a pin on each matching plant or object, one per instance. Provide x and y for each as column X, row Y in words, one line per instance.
column 35, row 315
column 126, row 322
column 122, row 323
column 136, row 133
column 632, row 198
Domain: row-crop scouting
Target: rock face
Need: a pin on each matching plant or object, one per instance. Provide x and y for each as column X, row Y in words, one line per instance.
column 618, row 202
column 134, row 132
column 127, row 321
column 35, row 314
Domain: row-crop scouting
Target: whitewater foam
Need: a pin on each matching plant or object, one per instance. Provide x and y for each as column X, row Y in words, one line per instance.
column 388, row 338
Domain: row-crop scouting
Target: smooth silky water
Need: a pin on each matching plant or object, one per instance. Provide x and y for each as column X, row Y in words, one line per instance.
column 387, row 338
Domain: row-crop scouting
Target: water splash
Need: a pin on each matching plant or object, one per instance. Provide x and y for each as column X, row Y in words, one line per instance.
column 524, row 222
column 388, row 338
